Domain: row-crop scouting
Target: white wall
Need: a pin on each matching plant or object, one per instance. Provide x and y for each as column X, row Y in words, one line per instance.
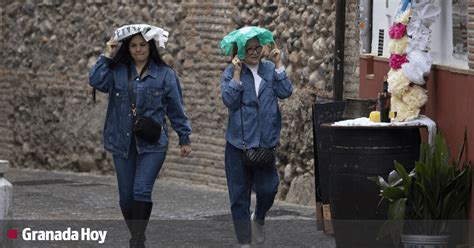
column 442, row 38
column 382, row 18
column 442, row 35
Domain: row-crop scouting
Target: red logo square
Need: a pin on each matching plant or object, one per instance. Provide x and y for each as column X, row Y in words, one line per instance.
column 12, row 234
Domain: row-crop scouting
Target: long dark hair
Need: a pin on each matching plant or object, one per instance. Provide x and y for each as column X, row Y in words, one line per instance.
column 123, row 55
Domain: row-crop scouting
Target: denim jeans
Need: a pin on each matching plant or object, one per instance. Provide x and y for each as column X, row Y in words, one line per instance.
column 136, row 175
column 240, row 181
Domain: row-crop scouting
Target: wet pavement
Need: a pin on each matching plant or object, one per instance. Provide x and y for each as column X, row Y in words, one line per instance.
column 184, row 215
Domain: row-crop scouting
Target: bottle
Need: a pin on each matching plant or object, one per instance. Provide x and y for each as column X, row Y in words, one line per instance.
column 380, row 102
column 385, row 102
column 375, row 115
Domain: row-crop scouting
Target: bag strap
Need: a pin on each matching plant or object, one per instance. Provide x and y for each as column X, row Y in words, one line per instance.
column 131, row 95
column 242, row 124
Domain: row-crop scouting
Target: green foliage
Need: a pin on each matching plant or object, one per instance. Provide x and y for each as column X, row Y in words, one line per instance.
column 435, row 191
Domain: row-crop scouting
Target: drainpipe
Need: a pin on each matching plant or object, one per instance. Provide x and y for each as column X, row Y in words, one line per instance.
column 365, row 25
column 338, row 81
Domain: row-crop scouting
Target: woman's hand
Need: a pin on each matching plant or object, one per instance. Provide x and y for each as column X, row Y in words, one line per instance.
column 275, row 56
column 185, row 150
column 111, row 48
column 237, row 67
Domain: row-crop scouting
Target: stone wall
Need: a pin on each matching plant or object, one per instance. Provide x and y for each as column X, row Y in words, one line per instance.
column 202, row 63
column 50, row 47
column 470, row 34
column 352, row 50
column 51, row 121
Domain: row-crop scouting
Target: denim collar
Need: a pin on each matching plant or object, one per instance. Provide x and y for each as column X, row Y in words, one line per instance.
column 151, row 71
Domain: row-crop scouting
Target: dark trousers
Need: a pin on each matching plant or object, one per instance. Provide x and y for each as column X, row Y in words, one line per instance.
column 240, row 181
column 136, row 175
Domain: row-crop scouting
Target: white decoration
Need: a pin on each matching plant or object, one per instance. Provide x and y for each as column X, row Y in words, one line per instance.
column 148, row 32
column 419, row 65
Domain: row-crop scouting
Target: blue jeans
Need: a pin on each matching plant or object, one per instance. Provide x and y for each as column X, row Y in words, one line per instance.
column 240, row 181
column 136, row 175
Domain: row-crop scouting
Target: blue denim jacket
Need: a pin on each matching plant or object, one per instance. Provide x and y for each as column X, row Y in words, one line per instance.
column 158, row 93
column 261, row 116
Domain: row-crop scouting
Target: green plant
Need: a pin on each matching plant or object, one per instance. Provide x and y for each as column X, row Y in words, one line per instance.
column 435, row 191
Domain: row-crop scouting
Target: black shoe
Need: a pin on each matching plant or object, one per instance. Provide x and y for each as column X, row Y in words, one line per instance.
column 141, row 212
column 127, row 215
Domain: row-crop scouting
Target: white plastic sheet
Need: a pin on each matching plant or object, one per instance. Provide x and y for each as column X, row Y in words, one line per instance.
column 148, row 32
column 419, row 65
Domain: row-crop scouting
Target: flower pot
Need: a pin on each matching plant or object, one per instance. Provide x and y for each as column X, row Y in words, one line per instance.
column 425, row 241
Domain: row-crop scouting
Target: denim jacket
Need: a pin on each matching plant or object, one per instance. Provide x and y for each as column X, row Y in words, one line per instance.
column 157, row 93
column 261, row 115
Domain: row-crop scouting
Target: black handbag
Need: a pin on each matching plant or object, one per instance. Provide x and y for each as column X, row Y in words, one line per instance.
column 259, row 157
column 146, row 129
column 256, row 156
column 143, row 127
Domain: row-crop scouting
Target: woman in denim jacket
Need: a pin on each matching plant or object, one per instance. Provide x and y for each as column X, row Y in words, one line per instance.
column 137, row 63
column 251, row 89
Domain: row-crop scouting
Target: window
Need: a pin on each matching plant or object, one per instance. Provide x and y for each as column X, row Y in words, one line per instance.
column 460, row 15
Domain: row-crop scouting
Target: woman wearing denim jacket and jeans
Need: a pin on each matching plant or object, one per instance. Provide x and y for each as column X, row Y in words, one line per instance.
column 158, row 94
column 251, row 89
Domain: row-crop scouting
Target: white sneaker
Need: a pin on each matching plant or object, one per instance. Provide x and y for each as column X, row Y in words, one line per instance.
column 257, row 230
column 245, row 246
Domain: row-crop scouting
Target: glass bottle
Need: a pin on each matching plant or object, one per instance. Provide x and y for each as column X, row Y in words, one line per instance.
column 385, row 102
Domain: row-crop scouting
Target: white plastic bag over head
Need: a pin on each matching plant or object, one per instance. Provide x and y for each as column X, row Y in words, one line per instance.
column 148, row 32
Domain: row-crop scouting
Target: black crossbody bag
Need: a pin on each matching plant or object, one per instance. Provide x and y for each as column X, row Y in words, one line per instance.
column 257, row 156
column 143, row 127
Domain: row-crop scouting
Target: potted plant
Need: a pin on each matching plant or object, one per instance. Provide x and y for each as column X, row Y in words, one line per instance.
column 425, row 201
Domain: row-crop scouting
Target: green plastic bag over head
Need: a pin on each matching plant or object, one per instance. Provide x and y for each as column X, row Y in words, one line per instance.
column 241, row 36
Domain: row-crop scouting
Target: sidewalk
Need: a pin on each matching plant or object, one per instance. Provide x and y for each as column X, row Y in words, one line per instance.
column 184, row 215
